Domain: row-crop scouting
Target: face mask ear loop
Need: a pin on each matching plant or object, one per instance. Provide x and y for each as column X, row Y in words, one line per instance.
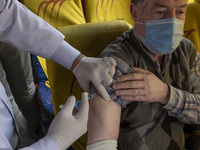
column 137, row 34
column 139, row 22
column 138, row 37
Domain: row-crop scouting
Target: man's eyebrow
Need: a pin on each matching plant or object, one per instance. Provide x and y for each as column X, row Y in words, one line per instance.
column 183, row 6
column 164, row 6
column 160, row 5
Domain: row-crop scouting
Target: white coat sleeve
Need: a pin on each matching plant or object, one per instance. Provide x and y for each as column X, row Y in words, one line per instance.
column 25, row 30
column 46, row 143
column 43, row 144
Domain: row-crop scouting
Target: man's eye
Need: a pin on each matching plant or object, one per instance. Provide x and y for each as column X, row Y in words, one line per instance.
column 180, row 12
column 159, row 14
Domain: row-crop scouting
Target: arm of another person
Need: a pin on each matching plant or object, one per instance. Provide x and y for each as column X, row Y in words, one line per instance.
column 25, row 30
column 66, row 127
column 103, row 124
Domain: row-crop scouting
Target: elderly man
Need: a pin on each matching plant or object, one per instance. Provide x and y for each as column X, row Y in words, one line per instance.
column 160, row 89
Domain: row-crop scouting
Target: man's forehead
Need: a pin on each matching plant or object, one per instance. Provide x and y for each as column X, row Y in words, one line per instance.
column 166, row 2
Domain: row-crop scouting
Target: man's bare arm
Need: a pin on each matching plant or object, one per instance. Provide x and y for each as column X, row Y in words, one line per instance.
column 104, row 120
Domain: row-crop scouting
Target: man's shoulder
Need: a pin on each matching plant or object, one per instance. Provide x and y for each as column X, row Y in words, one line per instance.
column 123, row 47
column 188, row 50
column 120, row 42
column 186, row 43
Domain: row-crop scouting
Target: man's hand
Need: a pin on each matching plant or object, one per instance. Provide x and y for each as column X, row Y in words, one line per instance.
column 142, row 85
column 66, row 128
column 99, row 71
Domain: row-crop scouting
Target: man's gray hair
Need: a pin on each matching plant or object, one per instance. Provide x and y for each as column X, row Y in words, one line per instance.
column 139, row 2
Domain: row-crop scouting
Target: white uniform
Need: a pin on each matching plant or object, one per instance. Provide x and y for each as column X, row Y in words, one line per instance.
column 20, row 27
column 9, row 134
column 8, row 128
column 23, row 29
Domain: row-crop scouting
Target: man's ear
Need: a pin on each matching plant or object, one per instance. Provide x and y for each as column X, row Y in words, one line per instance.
column 134, row 11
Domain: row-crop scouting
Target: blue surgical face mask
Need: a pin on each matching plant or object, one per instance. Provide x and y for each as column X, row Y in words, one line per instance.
column 163, row 36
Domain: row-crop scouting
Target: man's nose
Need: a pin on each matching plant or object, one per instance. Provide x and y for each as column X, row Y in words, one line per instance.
column 171, row 14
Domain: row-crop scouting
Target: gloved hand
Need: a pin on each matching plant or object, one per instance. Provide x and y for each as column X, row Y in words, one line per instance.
column 99, row 71
column 66, row 128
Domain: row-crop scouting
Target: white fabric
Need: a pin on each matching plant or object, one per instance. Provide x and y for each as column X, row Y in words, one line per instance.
column 61, row 132
column 71, row 54
column 4, row 144
column 103, row 145
column 22, row 28
column 25, row 30
column 8, row 135
column 7, row 123
column 46, row 143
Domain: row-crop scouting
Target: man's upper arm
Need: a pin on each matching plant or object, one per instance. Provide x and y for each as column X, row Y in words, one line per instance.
column 120, row 69
column 104, row 116
column 104, row 120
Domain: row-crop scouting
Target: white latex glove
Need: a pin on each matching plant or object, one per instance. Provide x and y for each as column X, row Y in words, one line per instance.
column 66, row 128
column 99, row 71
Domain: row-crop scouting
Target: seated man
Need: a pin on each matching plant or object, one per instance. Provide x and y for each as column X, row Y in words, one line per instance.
column 162, row 83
